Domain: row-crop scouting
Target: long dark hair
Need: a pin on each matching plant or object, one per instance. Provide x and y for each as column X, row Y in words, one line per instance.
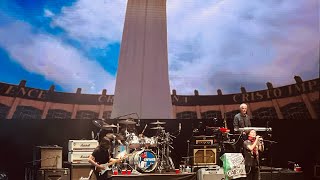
column 105, row 143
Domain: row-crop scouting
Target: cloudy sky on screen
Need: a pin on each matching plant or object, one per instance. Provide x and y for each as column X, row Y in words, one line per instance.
column 212, row 44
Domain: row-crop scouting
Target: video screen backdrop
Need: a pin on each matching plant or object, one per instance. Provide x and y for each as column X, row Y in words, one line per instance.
column 212, row 44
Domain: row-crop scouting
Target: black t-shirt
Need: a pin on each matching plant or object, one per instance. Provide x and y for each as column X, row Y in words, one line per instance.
column 101, row 155
column 250, row 159
column 240, row 121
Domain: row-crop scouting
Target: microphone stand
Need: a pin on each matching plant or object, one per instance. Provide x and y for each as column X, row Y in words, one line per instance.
column 188, row 152
column 98, row 134
column 271, row 143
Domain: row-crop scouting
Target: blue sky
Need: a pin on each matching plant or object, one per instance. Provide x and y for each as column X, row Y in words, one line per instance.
column 212, row 44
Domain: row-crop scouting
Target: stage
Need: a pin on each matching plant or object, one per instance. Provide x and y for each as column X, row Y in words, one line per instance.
column 274, row 175
column 157, row 176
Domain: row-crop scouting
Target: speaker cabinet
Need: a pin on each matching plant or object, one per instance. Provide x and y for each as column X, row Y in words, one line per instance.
column 206, row 174
column 81, row 170
column 206, row 156
column 53, row 174
column 316, row 173
column 47, row 157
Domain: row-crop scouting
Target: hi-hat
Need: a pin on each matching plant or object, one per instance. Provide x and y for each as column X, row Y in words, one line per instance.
column 158, row 123
column 127, row 121
column 158, row 127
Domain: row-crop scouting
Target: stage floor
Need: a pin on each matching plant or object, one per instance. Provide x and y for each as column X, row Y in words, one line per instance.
column 156, row 176
column 272, row 175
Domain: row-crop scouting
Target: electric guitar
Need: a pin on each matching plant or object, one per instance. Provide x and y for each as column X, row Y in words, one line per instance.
column 108, row 166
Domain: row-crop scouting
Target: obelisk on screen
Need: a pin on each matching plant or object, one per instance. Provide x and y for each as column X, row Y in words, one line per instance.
column 142, row 83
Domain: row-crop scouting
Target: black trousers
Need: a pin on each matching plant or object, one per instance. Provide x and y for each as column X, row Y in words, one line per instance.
column 253, row 173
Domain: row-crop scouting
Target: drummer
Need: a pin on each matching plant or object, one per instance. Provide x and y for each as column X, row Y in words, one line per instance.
column 129, row 127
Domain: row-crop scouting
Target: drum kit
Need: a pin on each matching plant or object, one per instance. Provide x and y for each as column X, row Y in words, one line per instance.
column 146, row 154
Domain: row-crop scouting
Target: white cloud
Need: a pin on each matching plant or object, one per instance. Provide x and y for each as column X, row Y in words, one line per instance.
column 48, row 13
column 226, row 44
column 212, row 44
column 48, row 56
column 93, row 23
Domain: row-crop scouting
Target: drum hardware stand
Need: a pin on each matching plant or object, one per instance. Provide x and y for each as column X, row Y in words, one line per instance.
column 165, row 160
column 188, row 152
column 133, row 170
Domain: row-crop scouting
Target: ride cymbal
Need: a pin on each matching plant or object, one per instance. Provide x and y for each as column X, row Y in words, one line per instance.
column 158, row 127
column 158, row 123
column 127, row 121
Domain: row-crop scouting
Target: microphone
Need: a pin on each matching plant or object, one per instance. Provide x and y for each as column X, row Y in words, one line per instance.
column 179, row 127
column 118, row 127
column 92, row 135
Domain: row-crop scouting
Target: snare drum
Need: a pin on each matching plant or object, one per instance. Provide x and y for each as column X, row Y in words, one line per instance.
column 145, row 160
column 133, row 141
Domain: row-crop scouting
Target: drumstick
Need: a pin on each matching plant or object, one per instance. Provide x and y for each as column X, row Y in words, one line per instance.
column 144, row 128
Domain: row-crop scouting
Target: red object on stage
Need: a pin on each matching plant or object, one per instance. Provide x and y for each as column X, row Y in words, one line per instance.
column 115, row 172
column 129, row 172
column 123, row 172
column 224, row 130
column 177, row 171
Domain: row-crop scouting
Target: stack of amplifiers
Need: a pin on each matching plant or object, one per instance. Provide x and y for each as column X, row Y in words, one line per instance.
column 80, row 150
column 204, row 151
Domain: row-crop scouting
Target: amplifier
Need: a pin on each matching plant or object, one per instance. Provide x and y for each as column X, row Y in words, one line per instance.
column 204, row 142
column 316, row 172
column 82, row 171
column 206, row 156
column 79, row 157
column 210, row 174
column 47, row 157
column 82, row 145
column 53, row 174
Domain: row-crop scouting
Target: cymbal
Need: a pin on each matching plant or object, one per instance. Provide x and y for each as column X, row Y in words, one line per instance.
column 158, row 127
column 114, row 136
column 158, row 123
column 108, row 126
column 127, row 121
column 97, row 123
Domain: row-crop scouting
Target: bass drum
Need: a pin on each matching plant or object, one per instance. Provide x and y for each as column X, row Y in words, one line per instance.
column 144, row 161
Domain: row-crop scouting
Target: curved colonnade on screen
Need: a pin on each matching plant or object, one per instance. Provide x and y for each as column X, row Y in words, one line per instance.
column 294, row 101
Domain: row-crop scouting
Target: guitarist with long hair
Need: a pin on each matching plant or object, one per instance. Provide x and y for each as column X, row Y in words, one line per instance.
column 101, row 155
